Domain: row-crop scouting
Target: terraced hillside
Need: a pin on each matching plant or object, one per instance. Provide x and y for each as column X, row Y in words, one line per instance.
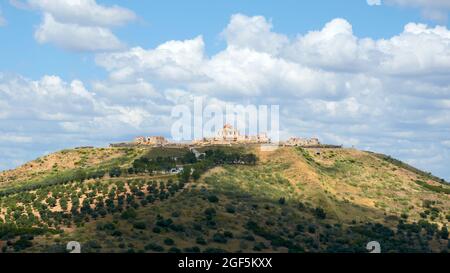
column 232, row 199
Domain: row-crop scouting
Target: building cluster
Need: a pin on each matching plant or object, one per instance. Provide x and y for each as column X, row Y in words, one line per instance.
column 156, row 141
column 302, row 142
column 228, row 135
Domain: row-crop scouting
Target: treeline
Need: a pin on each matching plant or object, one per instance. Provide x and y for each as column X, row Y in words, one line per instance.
column 219, row 157
column 78, row 175
column 439, row 189
column 78, row 203
column 193, row 166
column 160, row 163
column 142, row 165
column 213, row 158
column 403, row 165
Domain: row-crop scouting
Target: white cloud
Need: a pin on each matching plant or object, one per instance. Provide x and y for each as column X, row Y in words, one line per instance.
column 431, row 9
column 253, row 32
column 333, row 47
column 84, row 12
column 133, row 93
column 75, row 37
column 173, row 61
column 421, row 3
column 2, row 19
column 10, row 138
column 419, row 50
column 78, row 25
column 53, row 100
column 374, row 2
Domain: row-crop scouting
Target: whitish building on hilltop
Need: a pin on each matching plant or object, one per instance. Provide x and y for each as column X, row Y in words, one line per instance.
column 230, row 135
column 302, row 142
column 151, row 141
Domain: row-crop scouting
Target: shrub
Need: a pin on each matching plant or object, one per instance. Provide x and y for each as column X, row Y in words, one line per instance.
column 63, row 203
column 211, row 224
column 249, row 238
column 22, row 244
column 194, row 249
column 176, row 214
column 129, row 214
column 51, row 201
column 116, row 233
column 150, row 198
column 156, row 230
column 140, row 225
column 197, row 227
column 300, row 228
column 154, row 247
column 219, row 238
column 174, row 250
column 444, row 233
column 230, row 209
column 169, row 242
column 144, row 202
column 201, row 241
column 185, row 175
column 210, row 211
column 320, row 213
column 228, row 234
column 214, row 250
column 93, row 244
column 100, row 227
column 311, row 229
column 213, row 199
column 196, row 175
column 177, row 228
column 115, row 172
column 259, row 246
column 164, row 223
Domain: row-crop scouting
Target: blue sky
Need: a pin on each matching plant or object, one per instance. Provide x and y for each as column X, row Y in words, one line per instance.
column 371, row 74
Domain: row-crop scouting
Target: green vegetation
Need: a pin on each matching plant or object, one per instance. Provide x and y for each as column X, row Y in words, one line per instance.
column 440, row 189
column 291, row 200
column 403, row 165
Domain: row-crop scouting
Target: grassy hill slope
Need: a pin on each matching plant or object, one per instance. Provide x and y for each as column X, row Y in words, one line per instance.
column 290, row 200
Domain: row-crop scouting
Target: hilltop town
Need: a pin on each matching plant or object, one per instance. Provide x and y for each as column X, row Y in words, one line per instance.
column 228, row 135
column 230, row 198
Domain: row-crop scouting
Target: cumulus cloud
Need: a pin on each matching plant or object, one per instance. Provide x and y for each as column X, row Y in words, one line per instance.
column 418, row 50
column 69, row 107
column 171, row 61
column 78, row 25
column 333, row 47
column 75, row 37
column 253, row 32
column 84, row 12
column 51, row 114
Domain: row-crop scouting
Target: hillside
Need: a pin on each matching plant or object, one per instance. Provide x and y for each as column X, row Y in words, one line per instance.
column 231, row 199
